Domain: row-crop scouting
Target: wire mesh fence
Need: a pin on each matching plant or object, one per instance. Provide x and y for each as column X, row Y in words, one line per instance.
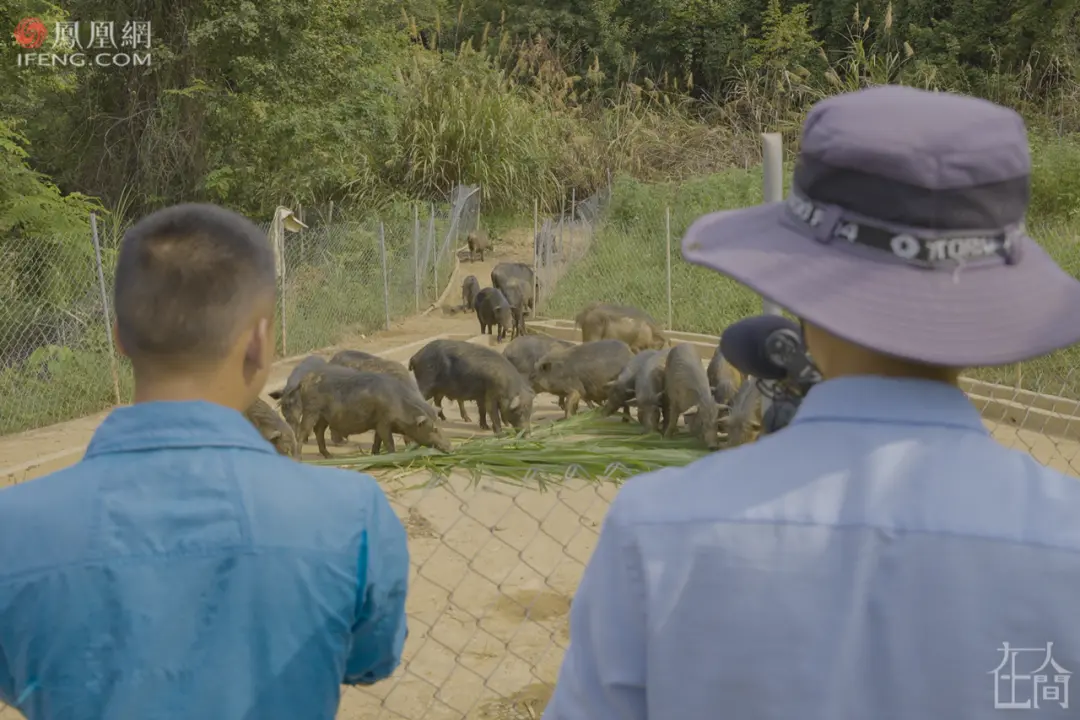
column 633, row 257
column 55, row 362
column 494, row 565
column 347, row 279
column 494, row 570
column 339, row 280
column 562, row 242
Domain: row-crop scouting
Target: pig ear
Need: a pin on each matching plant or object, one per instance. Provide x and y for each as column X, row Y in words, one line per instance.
column 421, row 419
column 276, row 395
column 274, row 436
column 515, row 403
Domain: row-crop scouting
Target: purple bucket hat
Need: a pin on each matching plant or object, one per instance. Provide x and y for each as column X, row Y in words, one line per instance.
column 904, row 233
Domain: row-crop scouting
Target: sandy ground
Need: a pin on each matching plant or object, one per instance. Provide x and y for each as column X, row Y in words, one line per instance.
column 494, row 565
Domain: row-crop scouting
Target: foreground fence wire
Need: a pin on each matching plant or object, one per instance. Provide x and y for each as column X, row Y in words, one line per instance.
column 494, row 571
column 495, row 565
column 340, row 280
column 1034, row 406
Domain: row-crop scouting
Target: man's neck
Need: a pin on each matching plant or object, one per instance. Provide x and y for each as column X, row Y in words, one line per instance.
column 189, row 388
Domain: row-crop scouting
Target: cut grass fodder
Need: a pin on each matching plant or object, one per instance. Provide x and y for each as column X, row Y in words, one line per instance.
column 585, row 446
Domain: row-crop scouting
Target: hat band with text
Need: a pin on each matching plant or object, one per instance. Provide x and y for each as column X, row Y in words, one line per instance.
column 935, row 251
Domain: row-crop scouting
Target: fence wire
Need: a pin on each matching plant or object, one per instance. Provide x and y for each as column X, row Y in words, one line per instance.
column 1034, row 406
column 494, row 569
column 340, row 280
column 55, row 363
column 562, row 242
column 495, row 565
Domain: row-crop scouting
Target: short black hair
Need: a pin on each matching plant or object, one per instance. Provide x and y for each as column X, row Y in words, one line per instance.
column 186, row 277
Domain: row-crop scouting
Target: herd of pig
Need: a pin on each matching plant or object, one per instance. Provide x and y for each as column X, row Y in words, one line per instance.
column 503, row 306
column 624, row 360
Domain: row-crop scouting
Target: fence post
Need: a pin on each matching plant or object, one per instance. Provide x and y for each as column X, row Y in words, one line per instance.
column 667, row 222
column 105, row 309
column 279, row 228
column 562, row 217
column 773, row 191
column 431, row 244
column 416, row 253
column 330, row 215
column 385, row 274
column 479, row 197
column 773, row 182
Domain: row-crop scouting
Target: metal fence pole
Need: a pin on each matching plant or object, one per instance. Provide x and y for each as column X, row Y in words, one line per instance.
column 670, row 313
column 773, row 177
column 280, row 230
column 416, row 253
column 773, row 191
column 385, row 274
column 562, row 216
column 431, row 244
column 105, row 309
column 536, row 254
column 479, row 197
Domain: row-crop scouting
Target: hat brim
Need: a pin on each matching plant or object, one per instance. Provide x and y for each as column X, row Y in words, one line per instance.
column 976, row 316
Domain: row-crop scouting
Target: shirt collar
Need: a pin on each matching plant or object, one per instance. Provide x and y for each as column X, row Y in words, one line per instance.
column 185, row 424
column 877, row 399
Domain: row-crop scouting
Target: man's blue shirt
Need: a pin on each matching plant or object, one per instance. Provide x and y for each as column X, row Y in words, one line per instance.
column 184, row 569
column 868, row 562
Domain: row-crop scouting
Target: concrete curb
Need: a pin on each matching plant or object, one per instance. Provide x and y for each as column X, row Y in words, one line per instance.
column 1022, row 409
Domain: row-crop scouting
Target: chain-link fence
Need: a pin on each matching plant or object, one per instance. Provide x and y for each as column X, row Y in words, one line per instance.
column 347, row 279
column 55, row 360
column 494, row 569
column 633, row 258
column 339, row 280
column 495, row 566
column 563, row 241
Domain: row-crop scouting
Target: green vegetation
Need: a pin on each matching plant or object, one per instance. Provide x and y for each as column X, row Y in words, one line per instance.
column 372, row 106
column 552, row 453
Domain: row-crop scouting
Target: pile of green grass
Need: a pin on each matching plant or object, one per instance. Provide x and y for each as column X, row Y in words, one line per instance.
column 613, row 451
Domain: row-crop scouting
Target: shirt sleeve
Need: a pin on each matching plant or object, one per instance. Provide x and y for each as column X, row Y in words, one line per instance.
column 378, row 635
column 603, row 672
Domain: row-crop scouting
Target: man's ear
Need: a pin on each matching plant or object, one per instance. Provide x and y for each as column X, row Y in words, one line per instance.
column 260, row 352
column 116, row 339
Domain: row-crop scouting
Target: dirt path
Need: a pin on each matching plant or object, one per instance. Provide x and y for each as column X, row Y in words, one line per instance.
column 34, row 453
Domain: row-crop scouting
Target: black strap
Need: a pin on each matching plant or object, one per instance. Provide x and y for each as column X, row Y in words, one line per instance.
column 946, row 250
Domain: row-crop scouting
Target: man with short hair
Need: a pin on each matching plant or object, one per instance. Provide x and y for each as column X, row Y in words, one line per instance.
column 183, row 569
column 882, row 557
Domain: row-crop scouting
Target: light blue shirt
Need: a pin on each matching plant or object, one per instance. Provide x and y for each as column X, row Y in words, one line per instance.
column 866, row 563
column 183, row 569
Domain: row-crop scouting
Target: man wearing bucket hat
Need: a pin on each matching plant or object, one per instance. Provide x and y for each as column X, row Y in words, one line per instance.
column 882, row 556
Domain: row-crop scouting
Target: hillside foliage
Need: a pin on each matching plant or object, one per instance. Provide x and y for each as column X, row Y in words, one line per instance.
column 253, row 105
